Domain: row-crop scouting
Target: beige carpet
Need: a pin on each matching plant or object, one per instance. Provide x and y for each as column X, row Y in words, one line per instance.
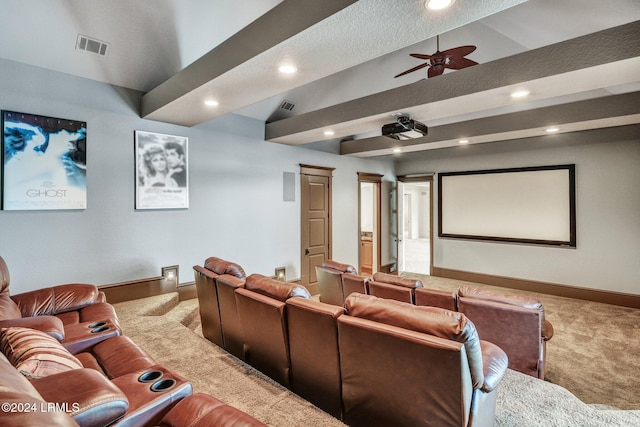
column 171, row 333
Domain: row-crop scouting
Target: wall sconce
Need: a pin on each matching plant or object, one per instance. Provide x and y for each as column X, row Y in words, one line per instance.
column 281, row 274
column 170, row 273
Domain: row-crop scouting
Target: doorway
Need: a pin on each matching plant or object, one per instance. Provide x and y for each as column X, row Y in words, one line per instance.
column 415, row 246
column 369, row 223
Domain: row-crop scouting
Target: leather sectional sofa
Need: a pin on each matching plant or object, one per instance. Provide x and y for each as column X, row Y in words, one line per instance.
column 514, row 323
column 361, row 361
column 65, row 362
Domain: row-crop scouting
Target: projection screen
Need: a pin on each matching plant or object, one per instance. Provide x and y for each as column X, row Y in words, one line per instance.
column 534, row 205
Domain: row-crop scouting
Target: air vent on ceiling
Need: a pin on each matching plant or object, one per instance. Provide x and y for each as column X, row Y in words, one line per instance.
column 287, row 105
column 92, row 45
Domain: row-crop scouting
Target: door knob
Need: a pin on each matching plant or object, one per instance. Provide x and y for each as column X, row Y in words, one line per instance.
column 306, row 251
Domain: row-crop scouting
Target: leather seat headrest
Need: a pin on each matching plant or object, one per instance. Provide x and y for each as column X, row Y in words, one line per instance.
column 275, row 288
column 396, row 280
column 486, row 295
column 344, row 268
column 220, row 266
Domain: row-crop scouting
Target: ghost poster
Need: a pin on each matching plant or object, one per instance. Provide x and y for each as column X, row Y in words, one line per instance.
column 44, row 163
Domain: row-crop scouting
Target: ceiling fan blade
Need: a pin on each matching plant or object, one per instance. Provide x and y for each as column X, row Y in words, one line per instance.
column 420, row 55
column 413, row 69
column 459, row 51
column 458, row 63
column 435, row 71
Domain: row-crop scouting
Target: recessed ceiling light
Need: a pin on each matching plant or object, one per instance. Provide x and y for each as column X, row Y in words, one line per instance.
column 211, row 103
column 463, row 141
column 329, row 133
column 520, row 93
column 397, row 150
column 552, row 130
column 287, row 69
column 438, row 4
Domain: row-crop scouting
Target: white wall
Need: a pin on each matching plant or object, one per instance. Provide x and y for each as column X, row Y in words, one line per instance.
column 236, row 196
column 607, row 209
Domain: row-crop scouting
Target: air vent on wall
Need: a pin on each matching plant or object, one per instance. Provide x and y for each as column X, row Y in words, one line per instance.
column 92, row 45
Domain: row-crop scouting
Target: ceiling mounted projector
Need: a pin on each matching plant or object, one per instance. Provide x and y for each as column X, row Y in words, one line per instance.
column 404, row 128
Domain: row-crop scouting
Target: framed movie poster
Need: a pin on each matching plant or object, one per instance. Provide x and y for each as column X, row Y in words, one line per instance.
column 44, row 163
column 162, row 179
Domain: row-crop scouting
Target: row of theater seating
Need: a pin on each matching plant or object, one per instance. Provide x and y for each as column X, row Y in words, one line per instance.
column 372, row 362
column 514, row 323
column 65, row 362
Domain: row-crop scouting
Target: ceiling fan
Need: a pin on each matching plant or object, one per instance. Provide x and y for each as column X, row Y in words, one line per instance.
column 453, row 59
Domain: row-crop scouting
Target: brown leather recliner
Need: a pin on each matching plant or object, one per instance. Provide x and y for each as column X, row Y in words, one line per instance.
column 67, row 312
column 261, row 307
column 391, row 286
column 315, row 356
column 330, row 283
column 514, row 323
column 407, row 365
column 209, row 297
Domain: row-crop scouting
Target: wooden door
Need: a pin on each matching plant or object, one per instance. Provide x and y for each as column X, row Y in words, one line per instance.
column 315, row 202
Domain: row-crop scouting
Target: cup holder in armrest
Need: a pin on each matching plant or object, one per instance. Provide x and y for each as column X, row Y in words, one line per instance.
column 96, row 325
column 100, row 329
column 150, row 376
column 163, row 385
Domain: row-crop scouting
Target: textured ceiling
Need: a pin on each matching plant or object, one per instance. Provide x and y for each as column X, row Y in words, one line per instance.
column 351, row 53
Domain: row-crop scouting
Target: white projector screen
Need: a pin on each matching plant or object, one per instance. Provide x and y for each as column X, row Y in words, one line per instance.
column 533, row 205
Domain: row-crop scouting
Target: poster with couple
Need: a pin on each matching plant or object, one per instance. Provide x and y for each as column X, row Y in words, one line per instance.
column 44, row 164
column 162, row 181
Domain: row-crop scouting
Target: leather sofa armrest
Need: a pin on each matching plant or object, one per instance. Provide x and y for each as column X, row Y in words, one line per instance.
column 50, row 325
column 87, row 395
column 494, row 363
column 56, row 299
column 203, row 410
column 547, row 331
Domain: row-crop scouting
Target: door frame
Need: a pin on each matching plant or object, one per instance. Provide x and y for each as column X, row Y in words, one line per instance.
column 408, row 179
column 322, row 171
column 376, row 180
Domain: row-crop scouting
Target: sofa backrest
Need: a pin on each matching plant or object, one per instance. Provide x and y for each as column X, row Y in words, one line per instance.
column 396, row 376
column 435, row 321
column 512, row 322
column 208, row 303
column 261, row 308
column 391, row 286
column 315, row 356
column 354, row 283
column 233, row 342
column 330, row 283
column 274, row 288
column 221, row 266
column 436, row 298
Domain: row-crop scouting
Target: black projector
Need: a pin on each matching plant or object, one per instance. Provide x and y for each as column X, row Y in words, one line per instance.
column 404, row 128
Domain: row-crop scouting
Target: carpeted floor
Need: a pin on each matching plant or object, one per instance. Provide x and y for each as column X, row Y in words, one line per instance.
column 170, row 331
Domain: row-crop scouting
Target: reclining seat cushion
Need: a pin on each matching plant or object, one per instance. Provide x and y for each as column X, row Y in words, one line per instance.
column 34, row 353
column 220, row 266
column 429, row 320
column 517, row 300
column 274, row 288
